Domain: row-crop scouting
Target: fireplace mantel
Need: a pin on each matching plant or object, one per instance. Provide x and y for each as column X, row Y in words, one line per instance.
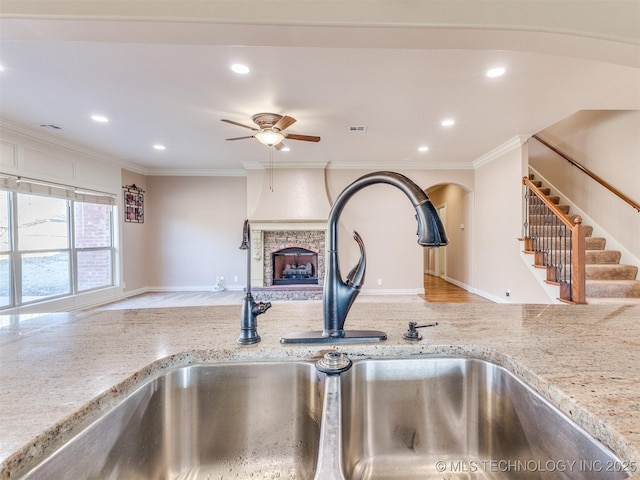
column 279, row 225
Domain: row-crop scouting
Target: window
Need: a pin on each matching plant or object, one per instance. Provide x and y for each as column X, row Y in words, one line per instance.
column 43, row 247
column 5, row 251
column 53, row 247
column 93, row 242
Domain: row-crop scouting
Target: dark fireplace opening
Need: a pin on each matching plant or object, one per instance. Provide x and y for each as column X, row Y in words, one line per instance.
column 295, row 266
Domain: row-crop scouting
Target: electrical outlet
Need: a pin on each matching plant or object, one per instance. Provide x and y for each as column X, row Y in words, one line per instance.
column 379, row 281
column 508, row 293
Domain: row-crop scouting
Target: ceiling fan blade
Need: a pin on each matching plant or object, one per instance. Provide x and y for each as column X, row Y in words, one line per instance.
column 279, row 146
column 238, row 124
column 304, row 138
column 284, row 122
column 240, row 138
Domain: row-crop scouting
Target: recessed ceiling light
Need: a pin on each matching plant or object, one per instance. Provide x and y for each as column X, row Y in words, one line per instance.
column 495, row 72
column 159, row 147
column 448, row 122
column 285, row 149
column 424, row 148
column 1, row 68
column 99, row 118
column 239, row 68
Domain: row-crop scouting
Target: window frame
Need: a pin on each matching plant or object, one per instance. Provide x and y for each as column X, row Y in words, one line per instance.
column 15, row 254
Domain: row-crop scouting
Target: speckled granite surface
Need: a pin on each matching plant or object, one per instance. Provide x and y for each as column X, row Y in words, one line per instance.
column 58, row 369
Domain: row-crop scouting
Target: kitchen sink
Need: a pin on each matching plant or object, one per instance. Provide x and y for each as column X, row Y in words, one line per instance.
column 254, row 420
column 459, row 418
column 445, row 418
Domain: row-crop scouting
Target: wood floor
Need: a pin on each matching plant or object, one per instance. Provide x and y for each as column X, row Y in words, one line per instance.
column 438, row 290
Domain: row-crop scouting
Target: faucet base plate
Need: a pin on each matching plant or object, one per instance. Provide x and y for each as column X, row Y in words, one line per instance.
column 350, row 336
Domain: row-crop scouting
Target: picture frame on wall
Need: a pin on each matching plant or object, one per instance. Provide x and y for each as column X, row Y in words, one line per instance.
column 133, row 204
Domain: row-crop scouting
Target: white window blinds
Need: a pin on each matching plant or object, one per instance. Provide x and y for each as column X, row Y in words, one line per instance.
column 38, row 187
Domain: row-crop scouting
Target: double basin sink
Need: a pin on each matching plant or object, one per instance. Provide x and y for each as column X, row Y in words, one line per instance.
column 410, row 418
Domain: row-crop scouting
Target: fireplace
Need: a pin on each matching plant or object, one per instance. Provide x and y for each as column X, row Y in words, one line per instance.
column 287, row 258
column 295, row 266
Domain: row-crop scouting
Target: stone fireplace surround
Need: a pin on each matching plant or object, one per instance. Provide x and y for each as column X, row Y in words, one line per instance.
column 268, row 237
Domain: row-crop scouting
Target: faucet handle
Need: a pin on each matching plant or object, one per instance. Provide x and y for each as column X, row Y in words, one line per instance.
column 355, row 278
column 412, row 332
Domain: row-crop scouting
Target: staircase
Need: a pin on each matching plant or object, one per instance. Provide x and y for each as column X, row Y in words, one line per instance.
column 607, row 281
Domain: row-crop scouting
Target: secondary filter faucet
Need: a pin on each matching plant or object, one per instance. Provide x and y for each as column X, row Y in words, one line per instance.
column 339, row 294
column 250, row 308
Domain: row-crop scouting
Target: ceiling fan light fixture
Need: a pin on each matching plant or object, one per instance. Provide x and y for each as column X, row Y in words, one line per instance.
column 269, row 137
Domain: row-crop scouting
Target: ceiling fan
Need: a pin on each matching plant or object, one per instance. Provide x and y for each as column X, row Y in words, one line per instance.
column 270, row 130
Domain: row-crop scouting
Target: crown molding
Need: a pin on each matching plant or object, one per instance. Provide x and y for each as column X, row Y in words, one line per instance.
column 281, row 165
column 402, row 166
column 195, row 173
column 508, row 146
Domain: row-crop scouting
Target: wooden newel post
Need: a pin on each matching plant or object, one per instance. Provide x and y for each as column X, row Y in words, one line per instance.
column 578, row 247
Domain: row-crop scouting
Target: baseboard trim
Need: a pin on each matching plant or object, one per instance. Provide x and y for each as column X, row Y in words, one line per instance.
column 197, row 288
column 460, row 284
column 398, row 291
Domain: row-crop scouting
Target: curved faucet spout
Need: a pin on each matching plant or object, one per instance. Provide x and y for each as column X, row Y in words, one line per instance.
column 339, row 295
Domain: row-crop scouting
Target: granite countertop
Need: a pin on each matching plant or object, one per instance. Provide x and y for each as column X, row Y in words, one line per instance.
column 59, row 369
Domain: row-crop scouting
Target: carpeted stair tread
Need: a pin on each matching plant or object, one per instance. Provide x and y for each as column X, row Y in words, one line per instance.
column 591, row 243
column 611, row 272
column 552, row 230
column 599, row 257
column 612, row 288
column 563, row 208
column 595, row 243
column 536, row 219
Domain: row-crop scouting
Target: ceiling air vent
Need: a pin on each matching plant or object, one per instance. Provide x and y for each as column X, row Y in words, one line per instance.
column 357, row 128
column 50, row 126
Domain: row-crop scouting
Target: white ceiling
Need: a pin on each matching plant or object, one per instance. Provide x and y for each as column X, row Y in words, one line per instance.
column 171, row 83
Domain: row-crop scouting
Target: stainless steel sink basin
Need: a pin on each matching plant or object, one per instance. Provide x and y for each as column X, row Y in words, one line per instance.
column 419, row 418
column 457, row 418
column 254, row 420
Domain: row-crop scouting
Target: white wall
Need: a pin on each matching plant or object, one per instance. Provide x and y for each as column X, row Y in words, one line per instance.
column 287, row 193
column 47, row 158
column 498, row 225
column 194, row 231
column 135, row 242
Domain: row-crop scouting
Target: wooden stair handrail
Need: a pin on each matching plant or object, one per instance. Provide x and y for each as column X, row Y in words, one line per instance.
column 577, row 288
column 585, row 170
column 552, row 206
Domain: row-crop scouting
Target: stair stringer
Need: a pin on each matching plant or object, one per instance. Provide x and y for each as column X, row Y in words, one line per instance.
column 611, row 243
column 540, row 274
